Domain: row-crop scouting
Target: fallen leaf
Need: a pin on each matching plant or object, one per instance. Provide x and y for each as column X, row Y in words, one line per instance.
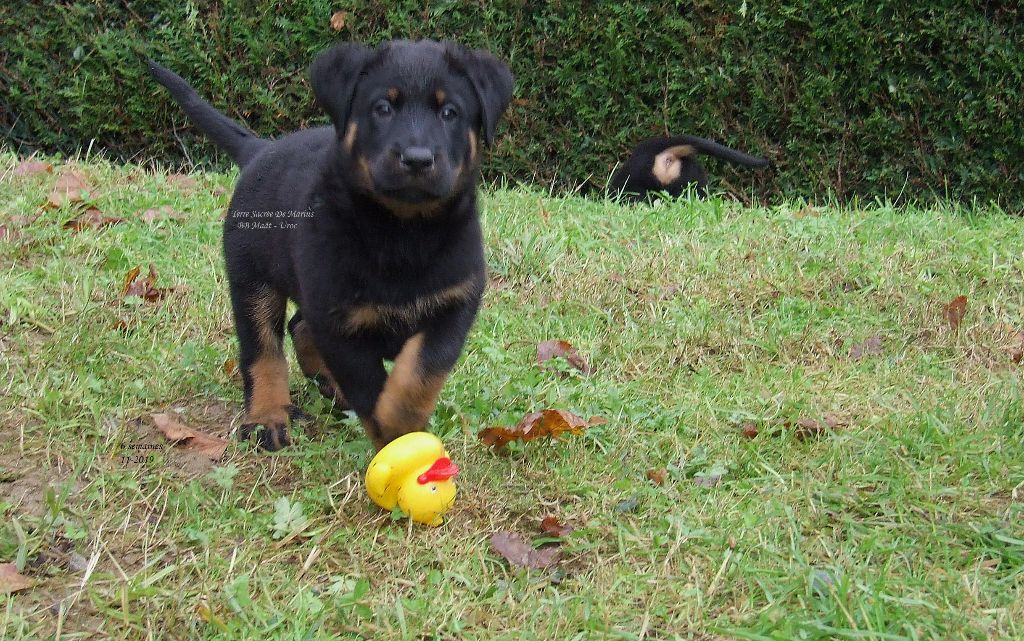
column 338, row 20
column 954, row 312
column 707, row 480
column 230, row 368
column 143, row 288
column 164, row 212
column 122, row 326
column 750, row 429
column 872, row 346
column 546, row 350
column 11, row 581
column 807, row 427
column 22, row 221
column 546, row 423
column 657, row 476
column 91, row 218
column 9, row 233
column 188, row 439
column 551, row 526
column 68, row 189
column 32, row 168
column 182, row 181
column 518, row 551
column 712, row 476
column 1017, row 356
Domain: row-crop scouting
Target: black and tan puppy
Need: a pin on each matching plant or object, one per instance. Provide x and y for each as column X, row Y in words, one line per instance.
column 669, row 164
column 369, row 226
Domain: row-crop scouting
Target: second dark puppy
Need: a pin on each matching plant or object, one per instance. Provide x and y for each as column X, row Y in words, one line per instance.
column 370, row 226
column 669, row 164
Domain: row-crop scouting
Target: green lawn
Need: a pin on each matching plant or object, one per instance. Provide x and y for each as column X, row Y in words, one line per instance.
column 903, row 520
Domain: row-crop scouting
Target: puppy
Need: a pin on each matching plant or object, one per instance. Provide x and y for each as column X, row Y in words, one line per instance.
column 370, row 226
column 670, row 165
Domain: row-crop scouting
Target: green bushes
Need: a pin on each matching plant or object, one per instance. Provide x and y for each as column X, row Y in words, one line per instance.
column 876, row 99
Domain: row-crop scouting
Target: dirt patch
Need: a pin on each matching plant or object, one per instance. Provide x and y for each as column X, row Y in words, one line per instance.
column 214, row 417
column 23, row 483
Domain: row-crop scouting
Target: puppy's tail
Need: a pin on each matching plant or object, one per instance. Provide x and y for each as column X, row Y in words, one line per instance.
column 240, row 143
column 712, row 148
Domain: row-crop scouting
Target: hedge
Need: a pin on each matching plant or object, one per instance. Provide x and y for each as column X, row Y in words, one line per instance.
column 870, row 98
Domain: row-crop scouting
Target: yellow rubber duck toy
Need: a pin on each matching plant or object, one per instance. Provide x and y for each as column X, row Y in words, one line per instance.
column 414, row 472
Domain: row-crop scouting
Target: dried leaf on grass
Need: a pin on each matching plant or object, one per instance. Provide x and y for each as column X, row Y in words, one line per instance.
column 518, row 551
column 11, row 580
column 182, row 181
column 230, row 368
column 707, row 480
column 32, row 168
column 802, row 428
column 338, row 20
column 68, row 189
column 954, row 312
column 551, row 526
column 164, row 212
column 658, row 476
column 543, row 424
column 91, row 218
column 188, row 439
column 144, row 287
column 807, row 427
column 546, row 350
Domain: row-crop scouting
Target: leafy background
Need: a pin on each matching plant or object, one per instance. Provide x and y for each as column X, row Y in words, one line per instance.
column 863, row 99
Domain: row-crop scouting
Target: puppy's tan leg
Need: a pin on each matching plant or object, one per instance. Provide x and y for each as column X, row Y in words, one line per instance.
column 312, row 364
column 409, row 395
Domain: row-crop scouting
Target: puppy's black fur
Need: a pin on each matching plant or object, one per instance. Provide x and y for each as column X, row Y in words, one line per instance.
column 369, row 225
column 669, row 164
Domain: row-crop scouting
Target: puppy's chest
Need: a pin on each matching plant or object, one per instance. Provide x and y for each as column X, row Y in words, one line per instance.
column 394, row 313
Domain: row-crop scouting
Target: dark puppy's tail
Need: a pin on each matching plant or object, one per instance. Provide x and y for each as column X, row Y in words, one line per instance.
column 712, row 148
column 240, row 143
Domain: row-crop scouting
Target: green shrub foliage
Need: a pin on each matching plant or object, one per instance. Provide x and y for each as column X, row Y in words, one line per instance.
column 870, row 98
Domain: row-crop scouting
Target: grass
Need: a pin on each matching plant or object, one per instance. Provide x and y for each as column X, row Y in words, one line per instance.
column 903, row 522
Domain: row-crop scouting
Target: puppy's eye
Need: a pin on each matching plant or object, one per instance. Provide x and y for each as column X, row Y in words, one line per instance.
column 382, row 108
column 449, row 113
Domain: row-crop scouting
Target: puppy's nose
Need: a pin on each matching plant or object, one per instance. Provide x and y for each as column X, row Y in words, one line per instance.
column 417, row 158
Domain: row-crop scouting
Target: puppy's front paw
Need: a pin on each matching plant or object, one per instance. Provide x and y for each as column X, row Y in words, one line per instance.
column 270, row 434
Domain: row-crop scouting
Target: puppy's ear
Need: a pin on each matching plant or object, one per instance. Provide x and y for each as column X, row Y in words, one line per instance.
column 492, row 81
column 334, row 76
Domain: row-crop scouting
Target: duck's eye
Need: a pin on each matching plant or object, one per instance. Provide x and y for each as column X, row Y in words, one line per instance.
column 382, row 108
column 449, row 113
column 433, row 488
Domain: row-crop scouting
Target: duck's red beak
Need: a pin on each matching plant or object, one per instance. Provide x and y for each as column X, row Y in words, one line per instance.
column 442, row 470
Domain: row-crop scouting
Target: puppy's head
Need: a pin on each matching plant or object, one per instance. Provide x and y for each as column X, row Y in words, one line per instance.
column 409, row 116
